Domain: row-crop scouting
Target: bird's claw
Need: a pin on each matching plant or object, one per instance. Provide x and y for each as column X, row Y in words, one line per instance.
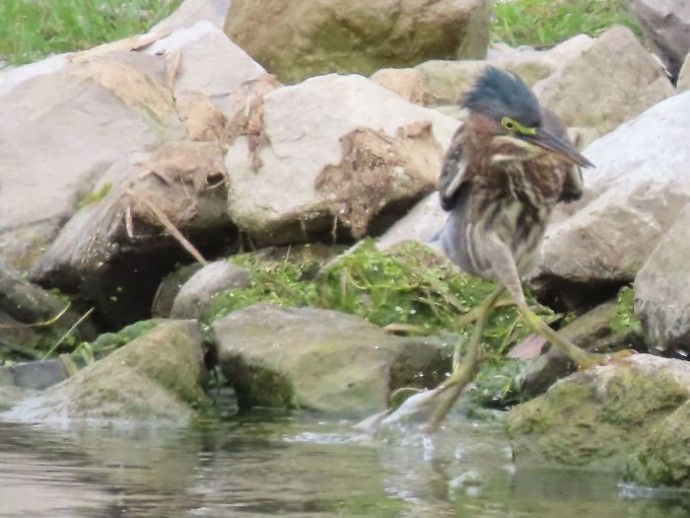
column 597, row 359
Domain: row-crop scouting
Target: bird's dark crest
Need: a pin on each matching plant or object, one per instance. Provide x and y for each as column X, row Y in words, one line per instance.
column 497, row 94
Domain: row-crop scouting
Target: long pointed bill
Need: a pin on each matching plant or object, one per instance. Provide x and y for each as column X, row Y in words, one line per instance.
column 547, row 140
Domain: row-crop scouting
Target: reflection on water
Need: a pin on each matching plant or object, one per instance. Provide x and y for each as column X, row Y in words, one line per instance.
column 292, row 467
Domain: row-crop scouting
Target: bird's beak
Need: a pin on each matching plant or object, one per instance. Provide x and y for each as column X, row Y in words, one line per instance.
column 557, row 145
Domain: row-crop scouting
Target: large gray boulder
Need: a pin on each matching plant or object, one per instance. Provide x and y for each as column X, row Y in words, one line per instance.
column 662, row 300
column 332, row 152
column 667, row 23
column 640, row 185
column 320, row 360
column 82, row 119
column 128, row 234
column 597, row 418
column 611, row 82
column 154, row 379
column 299, row 40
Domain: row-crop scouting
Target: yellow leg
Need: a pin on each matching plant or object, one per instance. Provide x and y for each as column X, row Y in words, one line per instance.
column 463, row 373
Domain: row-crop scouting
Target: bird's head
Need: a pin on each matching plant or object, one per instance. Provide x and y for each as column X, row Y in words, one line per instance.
column 512, row 115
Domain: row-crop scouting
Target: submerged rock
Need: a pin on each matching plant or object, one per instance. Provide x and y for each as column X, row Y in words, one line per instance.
column 320, row 360
column 663, row 459
column 154, row 378
column 596, row 418
column 299, row 40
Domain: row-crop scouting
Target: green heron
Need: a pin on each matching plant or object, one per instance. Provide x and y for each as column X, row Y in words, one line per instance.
column 505, row 170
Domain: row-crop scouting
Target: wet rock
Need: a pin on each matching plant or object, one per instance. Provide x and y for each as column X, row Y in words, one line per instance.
column 82, row 118
column 200, row 289
column 663, row 459
column 684, row 76
column 362, row 153
column 597, row 417
column 116, row 249
column 632, row 198
column 594, row 331
column 154, row 378
column 667, row 23
column 581, row 95
column 320, row 360
column 36, row 375
column 32, row 320
column 662, row 300
column 296, row 41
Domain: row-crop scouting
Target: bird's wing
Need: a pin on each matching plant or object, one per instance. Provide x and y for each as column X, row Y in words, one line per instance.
column 453, row 171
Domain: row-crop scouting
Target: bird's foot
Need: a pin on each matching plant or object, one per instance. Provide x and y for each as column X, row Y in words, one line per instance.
column 590, row 360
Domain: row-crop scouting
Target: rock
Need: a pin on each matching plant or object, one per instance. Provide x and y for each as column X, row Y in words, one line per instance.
column 297, row 41
column 422, row 224
column 37, row 375
column 320, row 360
column 363, row 155
column 582, row 96
column 198, row 291
column 14, row 76
column 82, row 119
column 441, row 83
column 684, row 76
column 597, row 417
column 662, row 302
column 663, row 459
column 641, row 183
column 153, row 379
column 203, row 60
column 593, row 331
column 23, row 306
column 116, row 249
column 667, row 23
column 169, row 288
column 192, row 11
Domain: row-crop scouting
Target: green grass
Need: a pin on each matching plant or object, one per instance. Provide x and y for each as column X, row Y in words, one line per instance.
column 32, row 29
column 542, row 23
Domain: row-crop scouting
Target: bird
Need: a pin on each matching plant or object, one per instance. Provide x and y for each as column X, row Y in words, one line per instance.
column 506, row 168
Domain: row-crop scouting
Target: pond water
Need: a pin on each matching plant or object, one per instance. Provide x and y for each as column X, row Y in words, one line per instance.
column 294, row 466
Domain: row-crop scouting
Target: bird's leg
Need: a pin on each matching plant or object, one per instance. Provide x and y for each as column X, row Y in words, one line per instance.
column 463, row 373
column 506, row 272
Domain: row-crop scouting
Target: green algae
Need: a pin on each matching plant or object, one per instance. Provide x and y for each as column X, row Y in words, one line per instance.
column 583, row 422
column 624, row 320
column 409, row 288
column 94, row 196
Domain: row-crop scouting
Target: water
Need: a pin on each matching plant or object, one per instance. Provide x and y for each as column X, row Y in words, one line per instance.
column 293, row 466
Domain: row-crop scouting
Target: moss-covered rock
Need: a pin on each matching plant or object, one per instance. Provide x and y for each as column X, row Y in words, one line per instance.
column 663, row 459
column 154, row 378
column 596, row 417
column 321, row 360
column 299, row 40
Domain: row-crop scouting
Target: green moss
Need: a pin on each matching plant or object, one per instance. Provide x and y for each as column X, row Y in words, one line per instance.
column 586, row 422
column 624, row 320
column 106, row 343
column 94, row 196
column 408, row 287
column 664, row 458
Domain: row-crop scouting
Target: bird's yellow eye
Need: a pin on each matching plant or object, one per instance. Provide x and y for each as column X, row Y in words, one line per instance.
column 509, row 124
